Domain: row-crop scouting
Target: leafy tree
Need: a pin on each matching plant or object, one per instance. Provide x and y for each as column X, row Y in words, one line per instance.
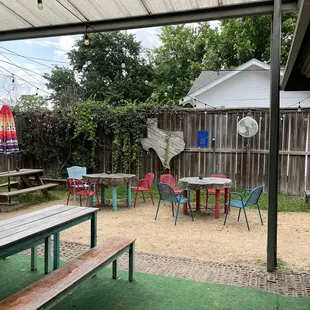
column 31, row 103
column 177, row 62
column 111, row 67
column 65, row 88
column 242, row 39
column 188, row 49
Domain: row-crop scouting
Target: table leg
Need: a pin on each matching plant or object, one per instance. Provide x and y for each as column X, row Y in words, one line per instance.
column 114, row 198
column 34, row 259
column 197, row 199
column 217, row 203
column 47, row 255
column 56, row 250
column 93, row 230
column 102, row 194
column 128, row 194
column 226, row 199
column 91, row 201
column 185, row 204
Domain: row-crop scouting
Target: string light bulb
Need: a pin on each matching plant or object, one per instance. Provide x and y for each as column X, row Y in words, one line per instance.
column 40, row 5
column 299, row 108
column 123, row 65
column 13, row 80
column 37, row 91
column 86, row 39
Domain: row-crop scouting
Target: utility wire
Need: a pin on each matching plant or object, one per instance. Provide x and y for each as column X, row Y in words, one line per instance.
column 20, row 78
column 26, row 57
column 34, row 58
column 23, row 69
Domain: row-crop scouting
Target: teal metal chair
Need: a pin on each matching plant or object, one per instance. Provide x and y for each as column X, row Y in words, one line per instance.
column 77, row 172
column 166, row 193
column 244, row 201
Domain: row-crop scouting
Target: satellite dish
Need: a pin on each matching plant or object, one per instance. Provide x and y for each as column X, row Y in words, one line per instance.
column 247, row 127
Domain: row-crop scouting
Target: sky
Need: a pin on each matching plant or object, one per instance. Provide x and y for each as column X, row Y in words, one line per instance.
column 21, row 75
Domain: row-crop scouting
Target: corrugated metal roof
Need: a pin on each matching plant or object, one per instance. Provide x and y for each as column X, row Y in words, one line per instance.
column 20, row 18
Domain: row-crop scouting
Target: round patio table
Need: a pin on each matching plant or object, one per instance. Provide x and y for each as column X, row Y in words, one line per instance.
column 113, row 180
column 194, row 183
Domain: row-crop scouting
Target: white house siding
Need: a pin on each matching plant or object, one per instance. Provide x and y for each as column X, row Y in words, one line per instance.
column 248, row 89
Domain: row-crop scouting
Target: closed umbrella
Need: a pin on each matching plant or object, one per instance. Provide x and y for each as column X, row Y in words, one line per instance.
column 8, row 137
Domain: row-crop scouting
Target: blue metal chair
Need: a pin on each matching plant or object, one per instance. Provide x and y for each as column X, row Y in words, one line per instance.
column 77, row 172
column 243, row 202
column 166, row 193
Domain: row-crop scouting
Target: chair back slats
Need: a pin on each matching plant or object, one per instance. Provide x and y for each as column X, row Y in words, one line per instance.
column 147, row 181
column 166, row 192
column 76, row 172
column 76, row 186
column 254, row 196
column 168, row 179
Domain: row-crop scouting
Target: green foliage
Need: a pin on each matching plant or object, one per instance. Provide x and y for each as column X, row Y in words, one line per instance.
column 65, row 88
column 242, row 39
column 46, row 136
column 31, row 103
column 112, row 68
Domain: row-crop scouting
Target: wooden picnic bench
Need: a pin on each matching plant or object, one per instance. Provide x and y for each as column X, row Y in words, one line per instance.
column 30, row 181
column 49, row 290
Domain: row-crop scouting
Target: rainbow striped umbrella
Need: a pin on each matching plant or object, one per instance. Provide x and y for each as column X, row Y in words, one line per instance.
column 8, row 137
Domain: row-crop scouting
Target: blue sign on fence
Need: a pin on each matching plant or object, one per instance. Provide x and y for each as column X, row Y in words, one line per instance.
column 203, row 138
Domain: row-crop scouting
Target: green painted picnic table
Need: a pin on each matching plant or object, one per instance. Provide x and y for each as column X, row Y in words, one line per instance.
column 34, row 228
column 112, row 180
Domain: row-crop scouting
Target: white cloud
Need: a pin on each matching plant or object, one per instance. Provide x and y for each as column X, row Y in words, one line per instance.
column 147, row 36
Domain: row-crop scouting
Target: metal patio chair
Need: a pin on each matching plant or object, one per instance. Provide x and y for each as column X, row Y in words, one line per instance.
column 245, row 200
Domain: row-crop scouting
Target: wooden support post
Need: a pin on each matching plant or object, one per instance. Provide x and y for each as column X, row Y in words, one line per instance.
column 34, row 260
column 132, row 262
column 93, row 229
column 56, row 250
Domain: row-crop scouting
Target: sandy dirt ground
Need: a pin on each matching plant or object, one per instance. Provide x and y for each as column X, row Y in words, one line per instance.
column 206, row 238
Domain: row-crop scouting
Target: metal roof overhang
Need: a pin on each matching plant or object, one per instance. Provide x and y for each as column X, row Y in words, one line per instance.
column 297, row 71
column 56, row 18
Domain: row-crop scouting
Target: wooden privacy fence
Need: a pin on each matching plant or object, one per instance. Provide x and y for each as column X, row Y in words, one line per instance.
column 243, row 160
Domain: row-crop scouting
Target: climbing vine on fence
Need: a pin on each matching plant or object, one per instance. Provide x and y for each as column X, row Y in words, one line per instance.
column 71, row 135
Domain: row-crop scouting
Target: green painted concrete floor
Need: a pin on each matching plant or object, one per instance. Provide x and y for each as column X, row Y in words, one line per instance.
column 148, row 292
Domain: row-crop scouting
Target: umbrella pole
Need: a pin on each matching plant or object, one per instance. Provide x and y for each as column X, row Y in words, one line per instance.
column 9, row 179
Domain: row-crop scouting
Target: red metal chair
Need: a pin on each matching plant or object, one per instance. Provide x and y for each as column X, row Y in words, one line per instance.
column 169, row 179
column 211, row 191
column 77, row 187
column 144, row 185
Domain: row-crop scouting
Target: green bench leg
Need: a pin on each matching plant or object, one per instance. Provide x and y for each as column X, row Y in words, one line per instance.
column 114, row 269
column 132, row 262
column 34, row 258
column 56, row 250
column 93, row 230
column 47, row 255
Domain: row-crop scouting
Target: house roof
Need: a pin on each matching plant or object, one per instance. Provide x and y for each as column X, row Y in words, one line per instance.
column 208, row 79
column 205, row 78
column 21, row 19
